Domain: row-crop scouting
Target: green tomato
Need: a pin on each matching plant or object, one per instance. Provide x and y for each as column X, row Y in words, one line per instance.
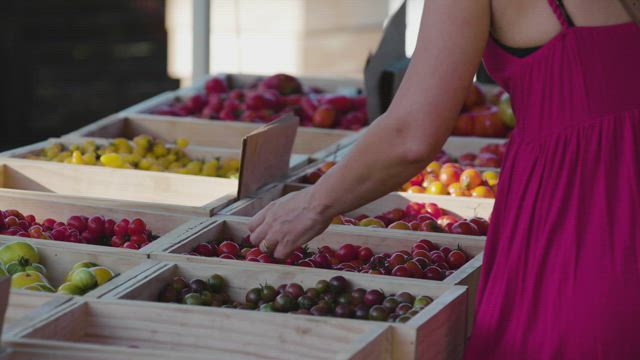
column 84, row 279
column 14, row 251
column 70, row 289
column 37, row 267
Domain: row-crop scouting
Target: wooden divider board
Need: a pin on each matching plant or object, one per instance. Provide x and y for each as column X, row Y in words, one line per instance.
column 264, row 154
column 59, row 257
column 250, row 205
column 465, row 207
column 380, row 242
column 135, row 330
column 25, row 305
column 170, row 227
column 437, row 332
column 54, row 350
column 313, row 142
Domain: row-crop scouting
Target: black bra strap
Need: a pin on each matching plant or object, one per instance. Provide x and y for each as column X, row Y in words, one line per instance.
column 565, row 14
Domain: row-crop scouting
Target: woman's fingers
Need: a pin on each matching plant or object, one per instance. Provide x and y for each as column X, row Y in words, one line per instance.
column 258, row 219
column 266, row 246
column 285, row 224
column 259, row 234
column 282, row 250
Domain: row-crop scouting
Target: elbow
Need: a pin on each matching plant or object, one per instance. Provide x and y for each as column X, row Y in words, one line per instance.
column 416, row 141
column 416, row 153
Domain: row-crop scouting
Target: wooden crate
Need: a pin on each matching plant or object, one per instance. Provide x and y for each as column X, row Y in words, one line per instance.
column 170, row 227
column 26, row 305
column 55, row 350
column 455, row 145
column 59, row 257
column 122, row 188
column 308, row 141
column 463, row 206
column 387, row 242
column 297, row 177
column 437, row 332
column 332, row 85
column 197, row 152
column 136, row 330
column 313, row 142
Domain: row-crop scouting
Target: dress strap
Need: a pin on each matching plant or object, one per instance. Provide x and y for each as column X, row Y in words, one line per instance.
column 561, row 13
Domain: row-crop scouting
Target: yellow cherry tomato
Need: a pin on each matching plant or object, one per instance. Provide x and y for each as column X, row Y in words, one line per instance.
column 437, row 188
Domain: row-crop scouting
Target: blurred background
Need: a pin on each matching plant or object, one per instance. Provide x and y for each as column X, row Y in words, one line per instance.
column 67, row 63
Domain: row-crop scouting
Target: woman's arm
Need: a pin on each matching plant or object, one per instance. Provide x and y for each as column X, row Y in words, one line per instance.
column 399, row 143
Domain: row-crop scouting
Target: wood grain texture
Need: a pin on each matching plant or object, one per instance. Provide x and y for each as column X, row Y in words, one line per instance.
column 147, row 189
column 24, row 306
column 447, row 339
column 264, row 154
column 144, row 328
column 66, row 321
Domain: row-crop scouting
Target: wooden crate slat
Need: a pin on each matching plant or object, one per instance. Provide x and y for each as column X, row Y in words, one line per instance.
column 135, row 327
column 28, row 349
column 241, row 277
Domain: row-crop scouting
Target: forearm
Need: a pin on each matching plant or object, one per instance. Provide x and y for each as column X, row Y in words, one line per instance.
column 379, row 163
column 401, row 142
column 421, row 116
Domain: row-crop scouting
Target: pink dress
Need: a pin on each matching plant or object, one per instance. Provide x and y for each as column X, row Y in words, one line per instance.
column 561, row 272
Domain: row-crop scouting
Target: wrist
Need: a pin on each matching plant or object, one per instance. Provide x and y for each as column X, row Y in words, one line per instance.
column 320, row 204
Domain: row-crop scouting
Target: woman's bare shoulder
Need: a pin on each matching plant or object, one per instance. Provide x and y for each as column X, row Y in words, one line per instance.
column 529, row 23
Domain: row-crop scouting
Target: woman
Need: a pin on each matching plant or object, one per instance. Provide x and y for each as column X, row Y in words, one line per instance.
column 561, row 272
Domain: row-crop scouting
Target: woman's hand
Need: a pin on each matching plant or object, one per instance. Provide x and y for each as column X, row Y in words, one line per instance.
column 287, row 223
